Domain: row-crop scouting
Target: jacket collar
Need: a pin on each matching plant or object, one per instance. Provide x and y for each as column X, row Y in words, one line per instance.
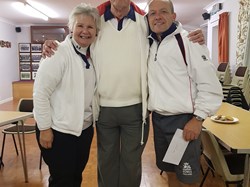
column 171, row 29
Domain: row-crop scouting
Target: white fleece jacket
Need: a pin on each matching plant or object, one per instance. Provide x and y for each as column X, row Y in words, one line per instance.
column 59, row 91
column 177, row 88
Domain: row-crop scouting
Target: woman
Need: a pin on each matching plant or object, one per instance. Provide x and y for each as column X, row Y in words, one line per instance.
column 63, row 94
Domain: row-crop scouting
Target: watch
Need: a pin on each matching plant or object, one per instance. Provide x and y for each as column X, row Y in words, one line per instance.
column 199, row 118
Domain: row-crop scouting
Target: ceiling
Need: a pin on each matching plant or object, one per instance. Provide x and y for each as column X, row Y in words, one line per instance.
column 189, row 12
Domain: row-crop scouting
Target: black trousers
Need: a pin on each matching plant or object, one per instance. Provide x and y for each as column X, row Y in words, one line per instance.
column 67, row 158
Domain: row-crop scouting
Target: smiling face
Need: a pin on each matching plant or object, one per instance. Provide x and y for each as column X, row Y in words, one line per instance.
column 84, row 30
column 160, row 16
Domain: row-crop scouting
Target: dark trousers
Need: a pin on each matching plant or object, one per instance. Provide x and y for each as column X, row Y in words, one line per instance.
column 119, row 131
column 188, row 170
column 67, row 158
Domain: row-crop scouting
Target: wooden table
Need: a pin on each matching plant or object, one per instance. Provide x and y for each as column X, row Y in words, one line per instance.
column 235, row 137
column 7, row 117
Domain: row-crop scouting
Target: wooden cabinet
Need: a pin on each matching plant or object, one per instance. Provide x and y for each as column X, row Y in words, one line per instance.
column 22, row 89
column 41, row 33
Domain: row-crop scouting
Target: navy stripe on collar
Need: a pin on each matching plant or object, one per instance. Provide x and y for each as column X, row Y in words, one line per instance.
column 171, row 29
column 83, row 56
column 108, row 14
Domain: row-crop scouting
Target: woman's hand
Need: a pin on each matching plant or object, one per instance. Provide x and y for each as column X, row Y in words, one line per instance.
column 46, row 138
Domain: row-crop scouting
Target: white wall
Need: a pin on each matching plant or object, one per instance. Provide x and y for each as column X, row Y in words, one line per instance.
column 231, row 6
column 24, row 35
column 9, row 59
column 9, row 62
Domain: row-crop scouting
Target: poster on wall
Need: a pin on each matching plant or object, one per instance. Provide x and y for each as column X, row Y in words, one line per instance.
column 24, row 57
column 35, row 66
column 36, row 56
column 36, row 48
column 24, row 66
column 24, row 47
column 25, row 75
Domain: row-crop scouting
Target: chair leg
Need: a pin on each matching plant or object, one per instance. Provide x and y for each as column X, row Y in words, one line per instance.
column 240, row 184
column 40, row 163
column 14, row 140
column 204, row 177
column 202, row 171
column 213, row 173
column 1, row 162
column 1, row 156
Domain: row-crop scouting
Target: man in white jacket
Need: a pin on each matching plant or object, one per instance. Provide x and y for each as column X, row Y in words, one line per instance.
column 183, row 90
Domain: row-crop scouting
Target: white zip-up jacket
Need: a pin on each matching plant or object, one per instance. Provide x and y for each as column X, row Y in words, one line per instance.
column 59, row 91
column 177, row 88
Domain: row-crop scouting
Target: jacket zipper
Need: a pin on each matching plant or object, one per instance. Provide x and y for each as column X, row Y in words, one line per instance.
column 155, row 59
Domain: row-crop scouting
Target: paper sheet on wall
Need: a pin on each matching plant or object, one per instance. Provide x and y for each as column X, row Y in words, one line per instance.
column 176, row 148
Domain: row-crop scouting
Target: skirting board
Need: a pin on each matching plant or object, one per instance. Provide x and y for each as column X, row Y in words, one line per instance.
column 6, row 100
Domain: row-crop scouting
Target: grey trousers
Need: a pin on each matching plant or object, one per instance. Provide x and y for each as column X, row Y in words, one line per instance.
column 119, row 132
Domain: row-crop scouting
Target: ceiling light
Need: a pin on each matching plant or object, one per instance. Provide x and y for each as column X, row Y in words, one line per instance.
column 43, row 9
column 29, row 10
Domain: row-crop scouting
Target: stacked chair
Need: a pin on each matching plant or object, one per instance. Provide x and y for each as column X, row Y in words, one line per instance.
column 236, row 97
column 223, row 73
column 246, row 87
column 235, row 92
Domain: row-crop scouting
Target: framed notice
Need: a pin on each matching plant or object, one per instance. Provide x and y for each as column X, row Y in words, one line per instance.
column 36, row 48
column 36, row 56
column 25, row 75
column 24, row 47
column 35, row 66
column 24, row 57
column 25, row 66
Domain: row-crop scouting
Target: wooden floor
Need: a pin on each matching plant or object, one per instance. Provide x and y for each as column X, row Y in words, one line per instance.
column 11, row 175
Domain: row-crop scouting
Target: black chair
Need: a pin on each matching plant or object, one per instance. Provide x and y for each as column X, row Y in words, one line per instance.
column 24, row 105
column 239, row 80
column 236, row 97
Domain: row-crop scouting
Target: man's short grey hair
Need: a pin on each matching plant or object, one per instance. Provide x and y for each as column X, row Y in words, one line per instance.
column 171, row 5
column 84, row 9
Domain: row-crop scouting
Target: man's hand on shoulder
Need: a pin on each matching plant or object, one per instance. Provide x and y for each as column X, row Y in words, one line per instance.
column 48, row 48
column 197, row 36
